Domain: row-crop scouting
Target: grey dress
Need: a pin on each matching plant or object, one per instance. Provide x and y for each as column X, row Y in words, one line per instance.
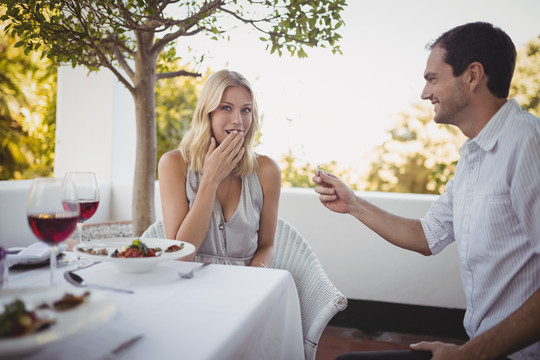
column 233, row 242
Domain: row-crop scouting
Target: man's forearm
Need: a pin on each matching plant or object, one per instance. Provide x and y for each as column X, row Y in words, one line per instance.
column 400, row 231
column 519, row 330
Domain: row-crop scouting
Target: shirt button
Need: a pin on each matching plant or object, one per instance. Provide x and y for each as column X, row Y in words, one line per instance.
column 221, row 226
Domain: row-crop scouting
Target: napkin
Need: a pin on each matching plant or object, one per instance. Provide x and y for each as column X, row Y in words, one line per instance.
column 37, row 253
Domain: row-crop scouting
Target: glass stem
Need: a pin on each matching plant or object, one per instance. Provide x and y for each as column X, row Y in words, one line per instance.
column 79, row 231
column 54, row 251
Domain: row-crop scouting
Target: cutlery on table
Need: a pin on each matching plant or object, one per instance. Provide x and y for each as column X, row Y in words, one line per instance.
column 189, row 274
column 76, row 280
column 115, row 353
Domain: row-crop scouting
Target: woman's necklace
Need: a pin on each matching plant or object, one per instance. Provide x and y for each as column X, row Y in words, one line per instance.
column 228, row 192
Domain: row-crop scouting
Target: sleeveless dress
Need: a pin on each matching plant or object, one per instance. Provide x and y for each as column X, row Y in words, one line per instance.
column 233, row 242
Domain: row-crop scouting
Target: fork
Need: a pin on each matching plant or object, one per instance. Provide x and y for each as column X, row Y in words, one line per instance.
column 189, row 275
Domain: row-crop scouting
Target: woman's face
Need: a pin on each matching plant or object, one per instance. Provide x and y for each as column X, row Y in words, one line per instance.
column 234, row 112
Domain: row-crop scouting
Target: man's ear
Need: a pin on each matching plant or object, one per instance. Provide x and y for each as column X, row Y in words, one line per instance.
column 476, row 75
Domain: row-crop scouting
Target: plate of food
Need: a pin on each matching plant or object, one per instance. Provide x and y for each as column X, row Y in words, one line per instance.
column 31, row 318
column 134, row 255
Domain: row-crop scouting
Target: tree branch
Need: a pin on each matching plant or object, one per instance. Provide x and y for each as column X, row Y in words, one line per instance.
column 265, row 20
column 123, row 63
column 120, row 77
column 174, row 74
column 208, row 8
column 76, row 11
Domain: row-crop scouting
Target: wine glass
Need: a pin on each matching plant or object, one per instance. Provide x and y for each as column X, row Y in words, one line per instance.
column 88, row 197
column 52, row 213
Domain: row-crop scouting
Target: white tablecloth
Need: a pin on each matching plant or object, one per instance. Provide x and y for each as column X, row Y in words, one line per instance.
column 224, row 312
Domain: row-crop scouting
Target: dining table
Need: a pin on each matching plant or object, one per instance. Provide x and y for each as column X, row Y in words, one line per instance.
column 223, row 312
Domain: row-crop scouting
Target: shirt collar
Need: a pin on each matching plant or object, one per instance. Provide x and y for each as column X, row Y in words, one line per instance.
column 493, row 130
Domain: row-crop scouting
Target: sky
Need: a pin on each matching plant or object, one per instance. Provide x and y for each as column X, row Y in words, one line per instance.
column 337, row 107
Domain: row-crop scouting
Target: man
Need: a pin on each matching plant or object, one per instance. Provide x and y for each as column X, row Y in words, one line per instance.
column 491, row 208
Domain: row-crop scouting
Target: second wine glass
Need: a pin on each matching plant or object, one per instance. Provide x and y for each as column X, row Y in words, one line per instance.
column 88, row 196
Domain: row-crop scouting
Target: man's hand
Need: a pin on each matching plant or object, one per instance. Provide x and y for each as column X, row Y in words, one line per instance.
column 333, row 193
column 442, row 351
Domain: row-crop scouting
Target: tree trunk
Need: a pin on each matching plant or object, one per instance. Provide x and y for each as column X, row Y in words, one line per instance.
column 143, row 209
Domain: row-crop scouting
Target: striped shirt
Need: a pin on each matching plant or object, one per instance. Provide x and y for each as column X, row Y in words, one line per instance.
column 491, row 208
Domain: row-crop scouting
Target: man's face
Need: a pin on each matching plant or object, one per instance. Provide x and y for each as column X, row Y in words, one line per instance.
column 448, row 94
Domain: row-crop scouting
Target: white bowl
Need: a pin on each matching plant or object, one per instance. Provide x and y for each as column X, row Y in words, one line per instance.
column 134, row 265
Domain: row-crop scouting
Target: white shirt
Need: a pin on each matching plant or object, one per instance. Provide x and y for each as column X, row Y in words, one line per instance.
column 491, row 208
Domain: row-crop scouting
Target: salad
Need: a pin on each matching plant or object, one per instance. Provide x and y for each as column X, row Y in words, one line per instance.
column 137, row 249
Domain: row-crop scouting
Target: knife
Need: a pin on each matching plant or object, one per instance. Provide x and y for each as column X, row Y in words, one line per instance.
column 115, row 353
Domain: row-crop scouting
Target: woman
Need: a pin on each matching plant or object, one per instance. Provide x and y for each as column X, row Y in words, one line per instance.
column 216, row 193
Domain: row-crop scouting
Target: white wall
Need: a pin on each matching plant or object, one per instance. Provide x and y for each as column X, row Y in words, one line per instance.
column 95, row 131
column 364, row 266
column 14, row 230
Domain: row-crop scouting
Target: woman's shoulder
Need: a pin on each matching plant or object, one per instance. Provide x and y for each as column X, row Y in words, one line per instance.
column 267, row 164
column 172, row 160
column 268, row 169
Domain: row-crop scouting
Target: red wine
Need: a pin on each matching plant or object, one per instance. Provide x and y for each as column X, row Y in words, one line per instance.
column 88, row 208
column 52, row 228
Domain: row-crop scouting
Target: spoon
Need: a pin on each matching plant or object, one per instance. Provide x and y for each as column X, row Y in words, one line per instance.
column 76, row 280
column 189, row 275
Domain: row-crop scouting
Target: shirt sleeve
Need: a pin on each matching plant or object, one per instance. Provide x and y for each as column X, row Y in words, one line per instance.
column 438, row 222
column 525, row 187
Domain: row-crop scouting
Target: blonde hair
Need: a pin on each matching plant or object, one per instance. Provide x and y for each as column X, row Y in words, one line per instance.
column 195, row 143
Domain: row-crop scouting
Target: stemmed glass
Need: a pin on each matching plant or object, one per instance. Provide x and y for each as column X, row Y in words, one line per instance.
column 52, row 213
column 88, row 197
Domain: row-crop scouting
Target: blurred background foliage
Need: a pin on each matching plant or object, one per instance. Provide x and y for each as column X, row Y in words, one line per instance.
column 27, row 112
column 419, row 156
column 525, row 87
column 176, row 99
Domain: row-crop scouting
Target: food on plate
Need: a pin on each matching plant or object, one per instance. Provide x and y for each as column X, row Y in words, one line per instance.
column 174, row 248
column 137, row 249
column 67, row 302
column 18, row 321
column 94, row 252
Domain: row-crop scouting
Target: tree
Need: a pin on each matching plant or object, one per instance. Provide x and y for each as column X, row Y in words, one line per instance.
column 27, row 111
column 525, row 87
column 135, row 40
column 295, row 173
column 419, row 157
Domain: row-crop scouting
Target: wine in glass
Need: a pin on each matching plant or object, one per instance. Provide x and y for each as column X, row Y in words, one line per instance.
column 52, row 213
column 88, row 197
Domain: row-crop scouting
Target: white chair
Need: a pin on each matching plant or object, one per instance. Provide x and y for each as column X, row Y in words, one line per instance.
column 319, row 299
column 156, row 230
column 109, row 229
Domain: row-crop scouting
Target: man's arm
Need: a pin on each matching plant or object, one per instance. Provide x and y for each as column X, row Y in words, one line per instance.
column 338, row 197
column 519, row 330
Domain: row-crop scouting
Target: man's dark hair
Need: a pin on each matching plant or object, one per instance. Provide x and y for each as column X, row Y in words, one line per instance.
column 486, row 44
